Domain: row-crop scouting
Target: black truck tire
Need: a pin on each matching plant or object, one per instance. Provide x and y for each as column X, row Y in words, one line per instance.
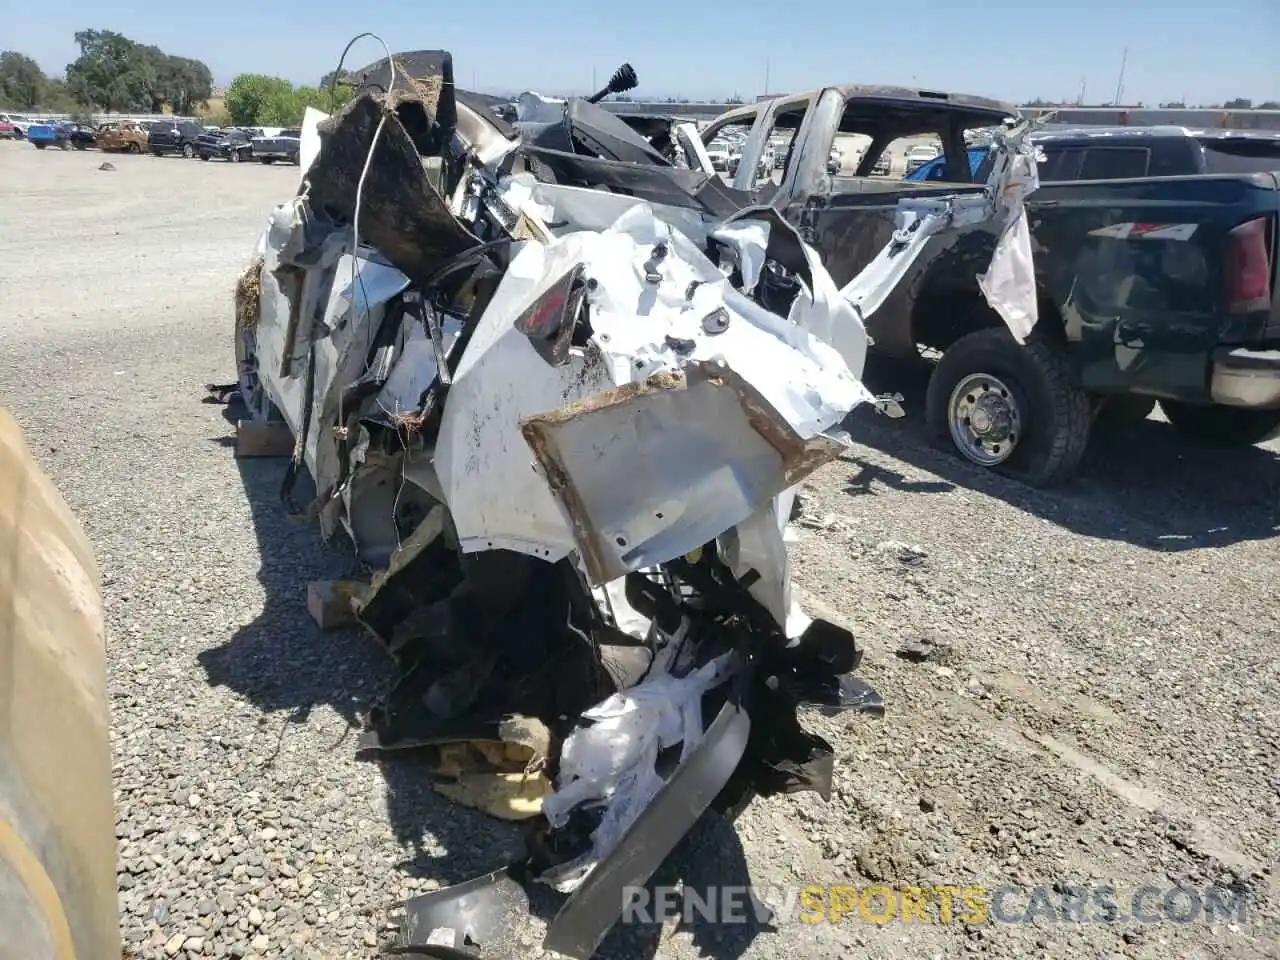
column 1221, row 426
column 1038, row 415
column 267, row 159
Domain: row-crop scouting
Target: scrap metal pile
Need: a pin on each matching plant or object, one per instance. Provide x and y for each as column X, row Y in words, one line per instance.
column 560, row 392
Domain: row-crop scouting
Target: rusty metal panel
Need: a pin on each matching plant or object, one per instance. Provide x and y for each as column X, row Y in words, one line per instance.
column 57, row 825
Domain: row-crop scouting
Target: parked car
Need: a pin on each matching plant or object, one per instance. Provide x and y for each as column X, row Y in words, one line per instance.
column 919, row 155
column 8, row 131
column 936, row 169
column 122, row 135
column 79, row 135
column 179, row 137
column 835, row 161
column 881, row 167
column 17, row 122
column 1155, row 258
column 285, row 146
column 230, row 144
column 41, row 135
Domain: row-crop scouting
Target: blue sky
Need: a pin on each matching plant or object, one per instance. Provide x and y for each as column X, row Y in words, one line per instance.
column 1205, row 52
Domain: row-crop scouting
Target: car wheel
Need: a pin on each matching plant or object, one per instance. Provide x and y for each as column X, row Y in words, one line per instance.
column 1012, row 408
column 134, row 148
column 63, row 145
column 252, row 393
column 236, row 156
column 39, row 146
column 204, row 156
column 187, row 151
column 79, row 146
column 267, row 160
column 155, row 153
column 1221, row 426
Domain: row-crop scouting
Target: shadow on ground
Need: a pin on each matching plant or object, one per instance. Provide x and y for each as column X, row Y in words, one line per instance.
column 283, row 663
column 1140, row 482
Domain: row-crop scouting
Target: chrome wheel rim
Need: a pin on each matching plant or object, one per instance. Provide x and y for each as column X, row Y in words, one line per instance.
column 985, row 419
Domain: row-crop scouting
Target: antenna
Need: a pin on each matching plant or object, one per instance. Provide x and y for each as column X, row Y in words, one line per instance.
column 1120, row 83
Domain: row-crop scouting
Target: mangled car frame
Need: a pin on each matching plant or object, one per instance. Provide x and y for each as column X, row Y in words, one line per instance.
column 560, row 392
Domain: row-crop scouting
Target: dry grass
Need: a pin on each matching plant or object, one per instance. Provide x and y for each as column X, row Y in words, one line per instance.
column 249, row 295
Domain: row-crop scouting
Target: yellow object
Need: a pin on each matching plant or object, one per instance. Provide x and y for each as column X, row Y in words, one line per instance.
column 507, row 796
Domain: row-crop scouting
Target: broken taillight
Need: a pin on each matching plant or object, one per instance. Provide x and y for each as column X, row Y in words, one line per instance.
column 1247, row 267
column 549, row 321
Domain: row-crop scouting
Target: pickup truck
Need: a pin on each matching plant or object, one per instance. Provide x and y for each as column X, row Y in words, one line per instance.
column 285, row 146
column 1155, row 261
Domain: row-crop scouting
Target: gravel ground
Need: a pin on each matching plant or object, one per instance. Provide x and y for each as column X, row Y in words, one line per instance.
column 1098, row 703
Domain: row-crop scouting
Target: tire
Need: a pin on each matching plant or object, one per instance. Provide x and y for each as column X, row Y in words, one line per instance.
column 204, row 156
column 1038, row 417
column 267, row 160
column 188, row 151
column 39, row 146
column 1221, row 426
column 236, row 156
column 155, row 153
column 79, row 146
column 134, row 148
column 63, row 145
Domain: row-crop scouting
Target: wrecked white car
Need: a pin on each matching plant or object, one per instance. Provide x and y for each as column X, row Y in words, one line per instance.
column 560, row 393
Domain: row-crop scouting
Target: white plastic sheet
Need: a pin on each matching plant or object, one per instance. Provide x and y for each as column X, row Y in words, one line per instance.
column 1009, row 284
column 614, row 760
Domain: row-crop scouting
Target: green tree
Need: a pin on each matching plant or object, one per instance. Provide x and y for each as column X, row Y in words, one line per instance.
column 252, row 97
column 22, row 82
column 115, row 73
column 112, row 72
column 184, row 83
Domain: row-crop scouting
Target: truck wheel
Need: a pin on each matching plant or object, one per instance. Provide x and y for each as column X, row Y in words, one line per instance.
column 235, row 156
column 1013, row 409
column 204, row 156
column 188, row 151
column 1222, row 426
column 267, row 159
column 39, row 146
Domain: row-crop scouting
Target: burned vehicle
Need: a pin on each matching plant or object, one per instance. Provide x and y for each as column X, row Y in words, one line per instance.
column 559, row 393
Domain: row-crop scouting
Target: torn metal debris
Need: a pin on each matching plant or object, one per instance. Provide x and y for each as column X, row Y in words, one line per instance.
column 559, row 391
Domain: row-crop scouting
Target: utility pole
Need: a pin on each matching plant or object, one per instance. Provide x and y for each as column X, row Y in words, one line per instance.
column 1080, row 99
column 1120, row 83
column 765, row 91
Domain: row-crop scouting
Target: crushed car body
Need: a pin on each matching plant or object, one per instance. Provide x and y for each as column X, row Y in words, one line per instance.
column 560, row 391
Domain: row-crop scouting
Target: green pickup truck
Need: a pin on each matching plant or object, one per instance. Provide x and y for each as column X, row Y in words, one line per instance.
column 1155, row 260
column 1155, row 254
